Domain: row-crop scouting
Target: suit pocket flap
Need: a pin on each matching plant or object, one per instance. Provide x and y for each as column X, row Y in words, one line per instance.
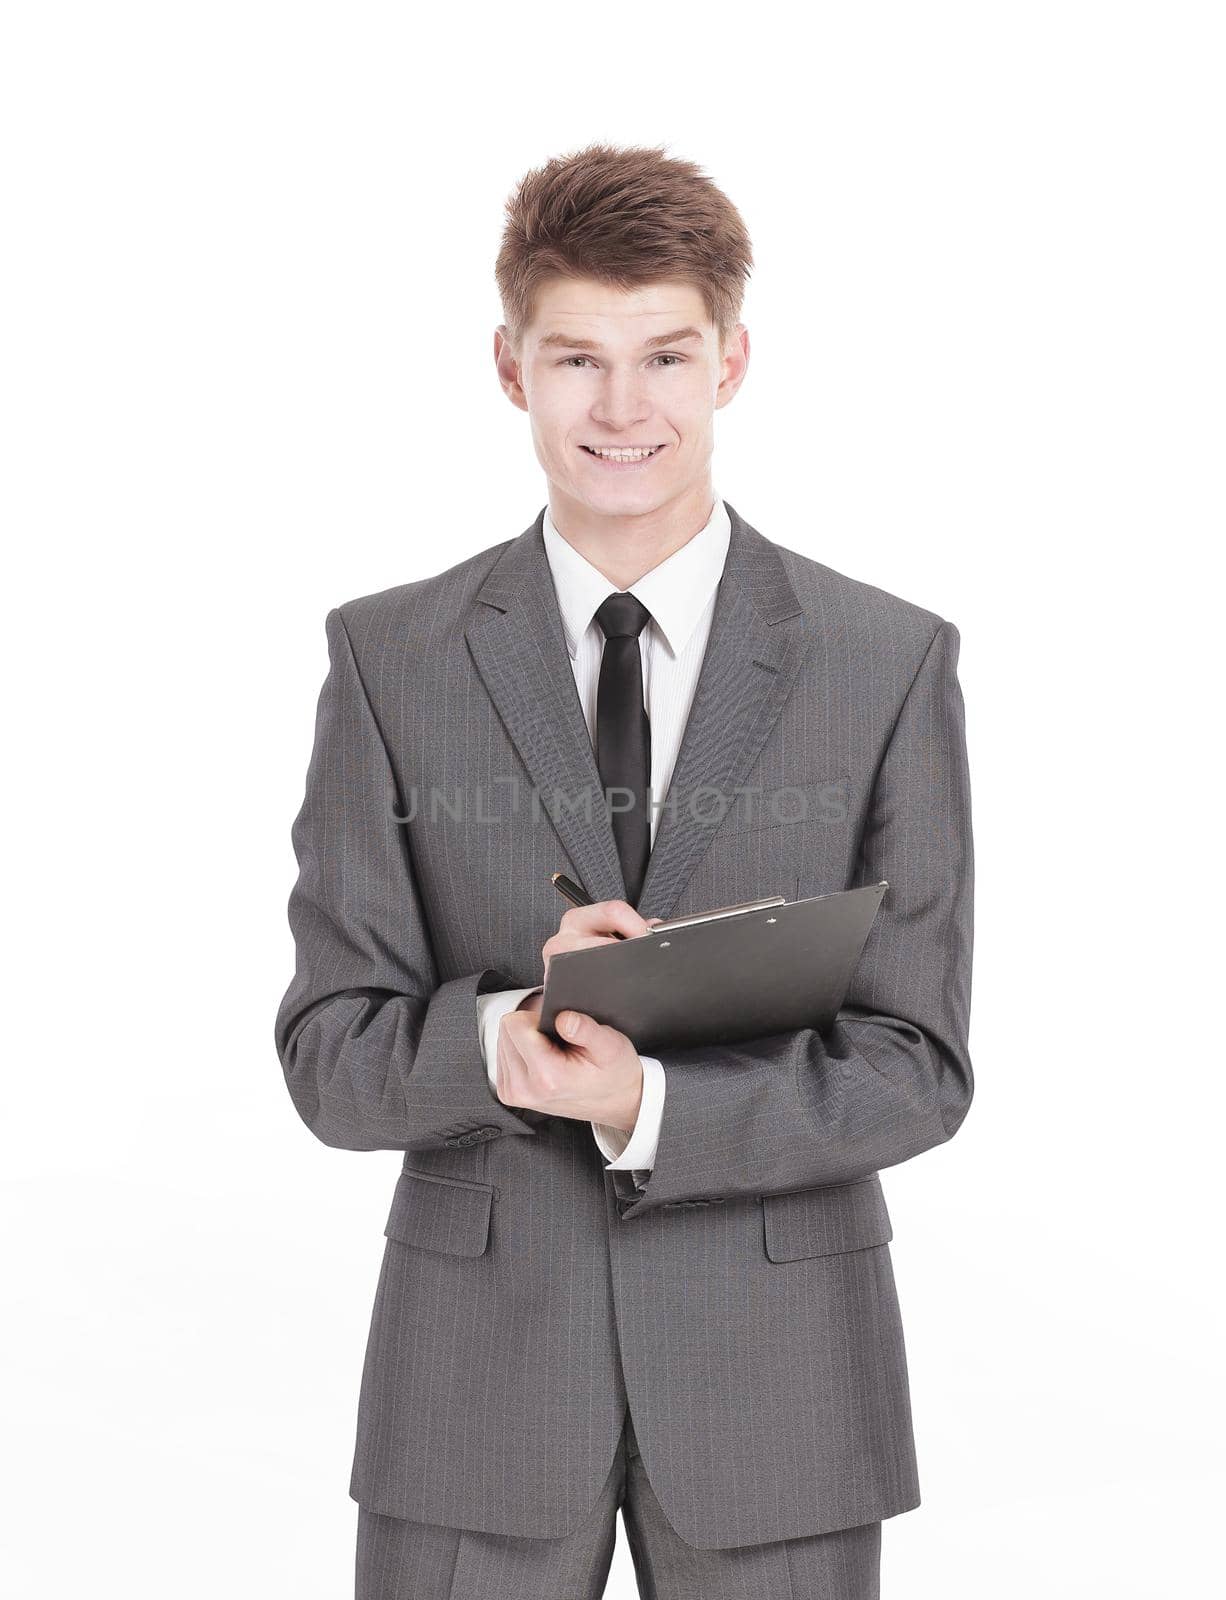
column 435, row 1212
column 826, row 1220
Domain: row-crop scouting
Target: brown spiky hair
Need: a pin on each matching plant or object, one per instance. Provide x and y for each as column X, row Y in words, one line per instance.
column 626, row 217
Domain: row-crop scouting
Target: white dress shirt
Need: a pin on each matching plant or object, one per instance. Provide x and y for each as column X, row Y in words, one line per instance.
column 680, row 594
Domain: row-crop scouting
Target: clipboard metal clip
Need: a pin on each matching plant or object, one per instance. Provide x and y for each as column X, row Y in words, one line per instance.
column 719, row 911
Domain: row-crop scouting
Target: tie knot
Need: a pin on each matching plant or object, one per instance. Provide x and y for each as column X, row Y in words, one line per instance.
column 622, row 616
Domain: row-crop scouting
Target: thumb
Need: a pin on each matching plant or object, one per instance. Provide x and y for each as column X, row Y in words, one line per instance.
column 576, row 1026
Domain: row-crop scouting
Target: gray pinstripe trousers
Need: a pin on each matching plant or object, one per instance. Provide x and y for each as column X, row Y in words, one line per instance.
column 402, row 1560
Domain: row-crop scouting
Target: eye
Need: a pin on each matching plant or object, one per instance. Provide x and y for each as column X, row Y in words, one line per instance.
column 568, row 361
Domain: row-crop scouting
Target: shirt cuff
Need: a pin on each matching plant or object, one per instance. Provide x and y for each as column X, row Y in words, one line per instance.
column 491, row 1008
column 636, row 1151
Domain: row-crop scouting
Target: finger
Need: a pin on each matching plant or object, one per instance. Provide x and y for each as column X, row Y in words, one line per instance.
column 531, row 1049
column 513, row 1032
column 604, row 917
column 559, row 942
column 507, row 1085
column 545, row 1068
column 580, row 1031
column 513, row 1076
column 500, row 1076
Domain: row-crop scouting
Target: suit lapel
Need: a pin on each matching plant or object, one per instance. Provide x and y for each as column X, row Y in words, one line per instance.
column 757, row 642
column 519, row 647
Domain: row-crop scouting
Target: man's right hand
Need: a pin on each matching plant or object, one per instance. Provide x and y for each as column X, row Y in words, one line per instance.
column 583, row 926
column 601, row 923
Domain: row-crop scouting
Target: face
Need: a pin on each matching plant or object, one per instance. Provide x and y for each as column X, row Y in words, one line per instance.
column 602, row 368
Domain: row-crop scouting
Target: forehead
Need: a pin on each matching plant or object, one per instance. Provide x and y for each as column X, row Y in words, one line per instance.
column 613, row 316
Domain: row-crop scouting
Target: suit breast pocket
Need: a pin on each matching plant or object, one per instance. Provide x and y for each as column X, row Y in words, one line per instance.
column 780, row 840
column 825, row 1221
column 785, row 807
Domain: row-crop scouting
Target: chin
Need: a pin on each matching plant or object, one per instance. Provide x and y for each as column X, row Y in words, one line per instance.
column 626, row 501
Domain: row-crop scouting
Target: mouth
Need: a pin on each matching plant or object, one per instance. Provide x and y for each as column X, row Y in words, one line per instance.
column 628, row 460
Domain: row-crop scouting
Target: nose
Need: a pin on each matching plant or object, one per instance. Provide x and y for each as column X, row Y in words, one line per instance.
column 622, row 402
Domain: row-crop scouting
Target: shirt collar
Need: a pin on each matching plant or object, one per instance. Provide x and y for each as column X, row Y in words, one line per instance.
column 676, row 592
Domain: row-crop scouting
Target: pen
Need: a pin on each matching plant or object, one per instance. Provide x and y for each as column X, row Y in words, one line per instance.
column 568, row 887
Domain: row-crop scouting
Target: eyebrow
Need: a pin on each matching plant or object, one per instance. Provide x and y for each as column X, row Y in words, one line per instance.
column 568, row 342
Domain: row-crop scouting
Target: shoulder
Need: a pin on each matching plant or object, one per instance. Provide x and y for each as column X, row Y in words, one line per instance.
column 430, row 607
column 868, row 616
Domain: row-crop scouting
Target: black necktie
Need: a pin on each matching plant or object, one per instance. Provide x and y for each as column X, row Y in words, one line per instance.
column 623, row 734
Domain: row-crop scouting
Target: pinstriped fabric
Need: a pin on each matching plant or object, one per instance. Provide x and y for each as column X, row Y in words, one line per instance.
column 851, row 1219
column 402, row 1560
column 893, row 1076
column 428, row 1213
column 744, row 1302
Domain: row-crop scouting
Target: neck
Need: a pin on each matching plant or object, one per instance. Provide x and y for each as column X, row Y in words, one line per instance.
column 624, row 548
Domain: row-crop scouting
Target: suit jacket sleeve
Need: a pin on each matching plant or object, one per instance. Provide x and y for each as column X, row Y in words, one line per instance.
column 892, row 1077
column 378, row 1053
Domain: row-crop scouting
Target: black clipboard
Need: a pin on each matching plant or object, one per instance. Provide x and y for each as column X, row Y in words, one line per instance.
column 716, row 977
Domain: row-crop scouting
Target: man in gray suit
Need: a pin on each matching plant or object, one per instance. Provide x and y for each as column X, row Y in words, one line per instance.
column 661, row 1283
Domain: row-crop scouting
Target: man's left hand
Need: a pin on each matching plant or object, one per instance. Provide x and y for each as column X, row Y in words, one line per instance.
column 597, row 1077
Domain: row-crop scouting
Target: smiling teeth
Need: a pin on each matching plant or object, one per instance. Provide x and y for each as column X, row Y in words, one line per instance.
column 623, row 455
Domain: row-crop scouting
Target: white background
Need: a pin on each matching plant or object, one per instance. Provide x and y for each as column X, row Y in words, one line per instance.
column 247, row 341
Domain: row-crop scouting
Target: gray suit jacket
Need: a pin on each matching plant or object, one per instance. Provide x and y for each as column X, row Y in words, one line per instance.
column 745, row 1291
